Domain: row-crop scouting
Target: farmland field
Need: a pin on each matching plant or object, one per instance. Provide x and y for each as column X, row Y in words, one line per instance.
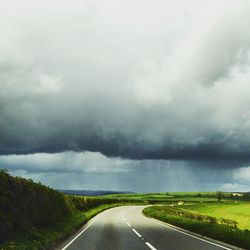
column 168, row 197
column 239, row 212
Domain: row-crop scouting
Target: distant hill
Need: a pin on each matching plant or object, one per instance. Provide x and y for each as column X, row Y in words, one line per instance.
column 92, row 192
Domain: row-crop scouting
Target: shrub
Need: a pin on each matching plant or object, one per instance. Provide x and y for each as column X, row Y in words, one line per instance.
column 24, row 204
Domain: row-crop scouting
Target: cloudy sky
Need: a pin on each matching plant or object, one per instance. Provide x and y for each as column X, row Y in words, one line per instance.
column 135, row 95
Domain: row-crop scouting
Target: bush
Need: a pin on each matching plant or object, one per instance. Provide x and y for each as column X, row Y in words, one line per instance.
column 25, row 204
column 86, row 203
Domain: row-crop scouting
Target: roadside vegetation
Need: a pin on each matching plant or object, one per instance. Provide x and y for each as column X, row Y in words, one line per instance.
column 224, row 229
column 25, row 206
column 51, row 236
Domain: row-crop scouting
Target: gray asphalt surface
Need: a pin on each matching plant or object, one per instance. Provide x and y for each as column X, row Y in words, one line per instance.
column 126, row 228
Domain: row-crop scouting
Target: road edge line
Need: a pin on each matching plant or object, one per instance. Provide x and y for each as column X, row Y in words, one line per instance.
column 80, row 233
column 64, row 245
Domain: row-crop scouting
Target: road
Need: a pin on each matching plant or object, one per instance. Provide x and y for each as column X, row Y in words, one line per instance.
column 126, row 228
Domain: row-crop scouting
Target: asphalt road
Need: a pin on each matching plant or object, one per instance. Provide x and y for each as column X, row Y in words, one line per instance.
column 126, row 228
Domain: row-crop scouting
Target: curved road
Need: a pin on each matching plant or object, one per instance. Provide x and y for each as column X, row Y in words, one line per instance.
column 126, row 228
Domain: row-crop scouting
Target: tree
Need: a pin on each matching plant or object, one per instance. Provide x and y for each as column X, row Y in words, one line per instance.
column 219, row 195
column 5, row 170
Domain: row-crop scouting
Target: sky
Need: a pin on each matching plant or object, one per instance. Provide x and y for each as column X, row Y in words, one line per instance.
column 141, row 95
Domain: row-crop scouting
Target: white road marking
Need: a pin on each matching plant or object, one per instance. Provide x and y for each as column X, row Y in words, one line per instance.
column 128, row 224
column 147, row 243
column 150, row 246
column 193, row 236
column 80, row 233
column 136, row 233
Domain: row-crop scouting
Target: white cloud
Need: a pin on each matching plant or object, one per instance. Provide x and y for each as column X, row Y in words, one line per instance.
column 239, row 180
column 87, row 162
column 234, row 187
column 242, row 174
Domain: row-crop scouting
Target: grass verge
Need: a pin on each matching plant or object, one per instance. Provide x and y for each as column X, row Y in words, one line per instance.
column 232, row 235
column 49, row 237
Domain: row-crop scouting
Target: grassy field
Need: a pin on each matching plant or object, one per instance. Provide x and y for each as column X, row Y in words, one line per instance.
column 168, row 197
column 239, row 212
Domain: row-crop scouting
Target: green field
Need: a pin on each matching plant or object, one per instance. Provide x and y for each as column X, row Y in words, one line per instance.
column 239, row 212
column 168, row 197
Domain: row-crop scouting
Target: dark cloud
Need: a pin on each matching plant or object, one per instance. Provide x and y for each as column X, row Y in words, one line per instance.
column 126, row 80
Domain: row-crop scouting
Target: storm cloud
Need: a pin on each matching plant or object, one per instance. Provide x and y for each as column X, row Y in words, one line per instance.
column 128, row 79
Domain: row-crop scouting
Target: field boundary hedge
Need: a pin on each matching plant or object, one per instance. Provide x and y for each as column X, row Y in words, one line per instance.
column 202, row 218
column 25, row 204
